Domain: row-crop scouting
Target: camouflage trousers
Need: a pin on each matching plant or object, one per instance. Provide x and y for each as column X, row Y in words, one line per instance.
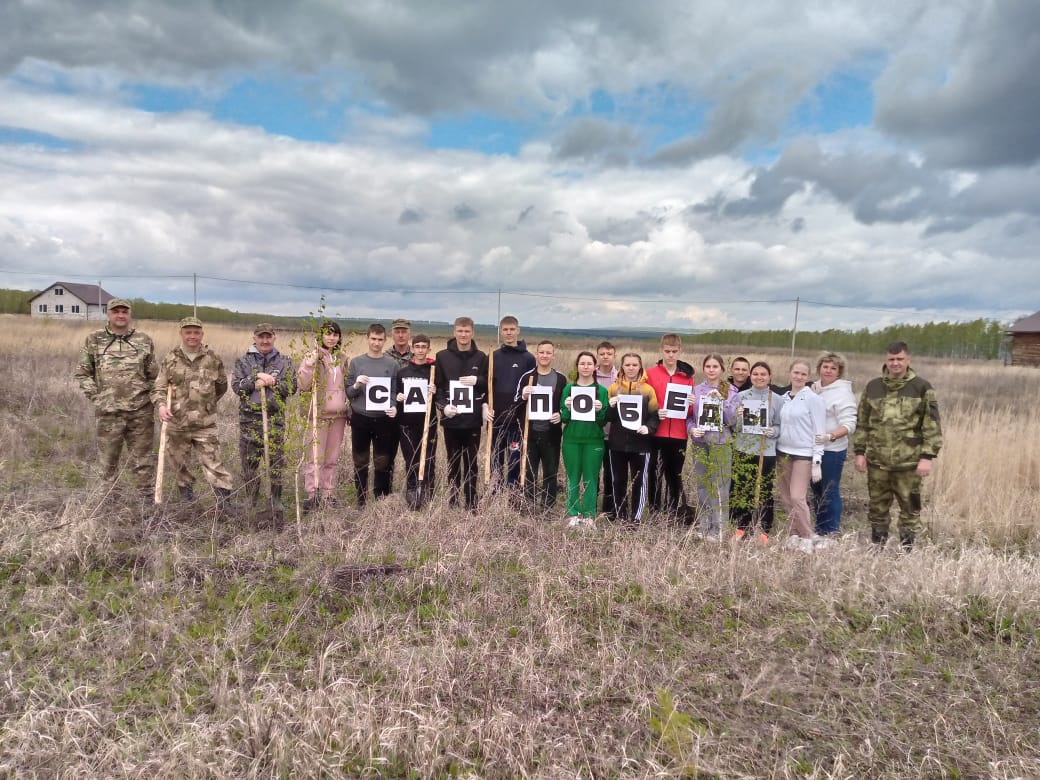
column 179, row 445
column 903, row 486
column 251, row 450
column 137, row 430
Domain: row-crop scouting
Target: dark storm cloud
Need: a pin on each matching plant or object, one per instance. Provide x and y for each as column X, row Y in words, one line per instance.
column 974, row 102
column 462, row 212
column 420, row 59
column 880, row 187
column 593, row 139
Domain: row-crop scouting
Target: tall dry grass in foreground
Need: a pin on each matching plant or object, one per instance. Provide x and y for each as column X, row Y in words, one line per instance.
column 396, row 644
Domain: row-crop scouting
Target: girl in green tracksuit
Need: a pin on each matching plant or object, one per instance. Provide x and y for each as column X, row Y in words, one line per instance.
column 583, row 444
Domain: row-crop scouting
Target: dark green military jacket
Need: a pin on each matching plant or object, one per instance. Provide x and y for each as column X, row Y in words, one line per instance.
column 117, row 372
column 898, row 422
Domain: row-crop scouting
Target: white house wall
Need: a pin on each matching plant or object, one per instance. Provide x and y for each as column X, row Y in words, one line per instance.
column 72, row 307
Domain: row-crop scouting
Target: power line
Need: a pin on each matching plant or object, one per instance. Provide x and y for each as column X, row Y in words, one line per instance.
column 466, row 291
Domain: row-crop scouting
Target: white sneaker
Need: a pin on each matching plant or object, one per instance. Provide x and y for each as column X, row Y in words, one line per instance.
column 574, row 521
column 821, row 542
column 588, row 522
column 795, row 542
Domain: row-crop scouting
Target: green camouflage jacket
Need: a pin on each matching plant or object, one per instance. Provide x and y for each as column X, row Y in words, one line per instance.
column 117, row 372
column 898, row 422
column 197, row 387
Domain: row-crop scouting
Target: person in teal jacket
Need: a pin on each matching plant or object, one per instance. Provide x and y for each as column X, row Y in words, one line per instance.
column 583, row 443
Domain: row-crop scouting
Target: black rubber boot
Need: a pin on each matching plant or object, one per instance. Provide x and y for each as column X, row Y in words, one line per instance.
column 906, row 540
column 277, row 509
column 878, row 536
column 224, row 508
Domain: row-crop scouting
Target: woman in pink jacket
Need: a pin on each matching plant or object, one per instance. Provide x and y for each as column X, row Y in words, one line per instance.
column 324, row 370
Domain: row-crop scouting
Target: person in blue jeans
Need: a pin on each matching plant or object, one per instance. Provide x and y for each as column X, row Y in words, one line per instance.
column 840, row 402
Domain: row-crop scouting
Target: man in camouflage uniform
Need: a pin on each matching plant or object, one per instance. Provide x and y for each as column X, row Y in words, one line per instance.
column 263, row 369
column 198, row 381
column 897, row 436
column 116, row 371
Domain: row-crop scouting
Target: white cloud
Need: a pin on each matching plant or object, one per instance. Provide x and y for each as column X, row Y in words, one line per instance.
column 894, row 215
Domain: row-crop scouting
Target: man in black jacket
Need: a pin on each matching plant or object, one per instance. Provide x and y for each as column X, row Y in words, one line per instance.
column 510, row 362
column 543, row 436
column 412, row 428
column 461, row 380
column 263, row 369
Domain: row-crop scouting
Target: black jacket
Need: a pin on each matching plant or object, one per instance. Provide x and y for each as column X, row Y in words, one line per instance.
column 243, row 381
column 510, row 363
column 620, row 438
column 557, row 397
column 412, row 370
column 452, row 364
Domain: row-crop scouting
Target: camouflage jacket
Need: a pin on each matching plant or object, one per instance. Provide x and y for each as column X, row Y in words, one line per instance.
column 117, row 372
column 197, row 387
column 898, row 422
column 243, row 380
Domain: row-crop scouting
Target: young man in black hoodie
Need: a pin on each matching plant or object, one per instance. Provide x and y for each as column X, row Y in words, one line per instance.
column 544, row 437
column 510, row 362
column 461, row 380
column 411, row 425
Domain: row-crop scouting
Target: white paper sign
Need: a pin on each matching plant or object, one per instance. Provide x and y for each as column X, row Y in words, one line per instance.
column 709, row 413
column 416, row 395
column 754, row 416
column 676, row 398
column 583, row 400
column 460, row 396
column 377, row 394
column 539, row 403
column 630, row 411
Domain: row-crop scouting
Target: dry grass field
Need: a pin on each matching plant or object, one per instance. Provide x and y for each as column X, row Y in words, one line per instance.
column 434, row 644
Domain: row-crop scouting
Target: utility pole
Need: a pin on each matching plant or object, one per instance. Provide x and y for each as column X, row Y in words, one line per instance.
column 794, row 330
column 194, row 295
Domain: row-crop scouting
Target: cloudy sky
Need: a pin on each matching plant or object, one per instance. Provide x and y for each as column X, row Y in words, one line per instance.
column 596, row 162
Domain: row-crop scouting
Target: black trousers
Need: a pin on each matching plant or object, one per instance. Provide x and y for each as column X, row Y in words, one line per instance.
column 543, row 452
column 505, row 448
column 667, row 460
column 411, row 451
column 630, row 477
column 372, row 442
column 743, row 510
column 461, row 446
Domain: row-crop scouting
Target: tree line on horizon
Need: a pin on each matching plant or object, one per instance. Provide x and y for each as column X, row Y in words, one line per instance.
column 979, row 339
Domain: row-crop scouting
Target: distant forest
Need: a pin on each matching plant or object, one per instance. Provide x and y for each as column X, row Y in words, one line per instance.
column 981, row 338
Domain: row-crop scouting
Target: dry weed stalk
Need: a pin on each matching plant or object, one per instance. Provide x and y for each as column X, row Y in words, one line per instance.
column 505, row 646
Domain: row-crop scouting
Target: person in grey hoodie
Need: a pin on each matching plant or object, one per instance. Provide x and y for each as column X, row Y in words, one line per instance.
column 840, row 403
column 373, row 429
column 754, row 456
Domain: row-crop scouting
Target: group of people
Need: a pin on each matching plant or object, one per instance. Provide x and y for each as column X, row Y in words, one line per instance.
column 626, row 426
